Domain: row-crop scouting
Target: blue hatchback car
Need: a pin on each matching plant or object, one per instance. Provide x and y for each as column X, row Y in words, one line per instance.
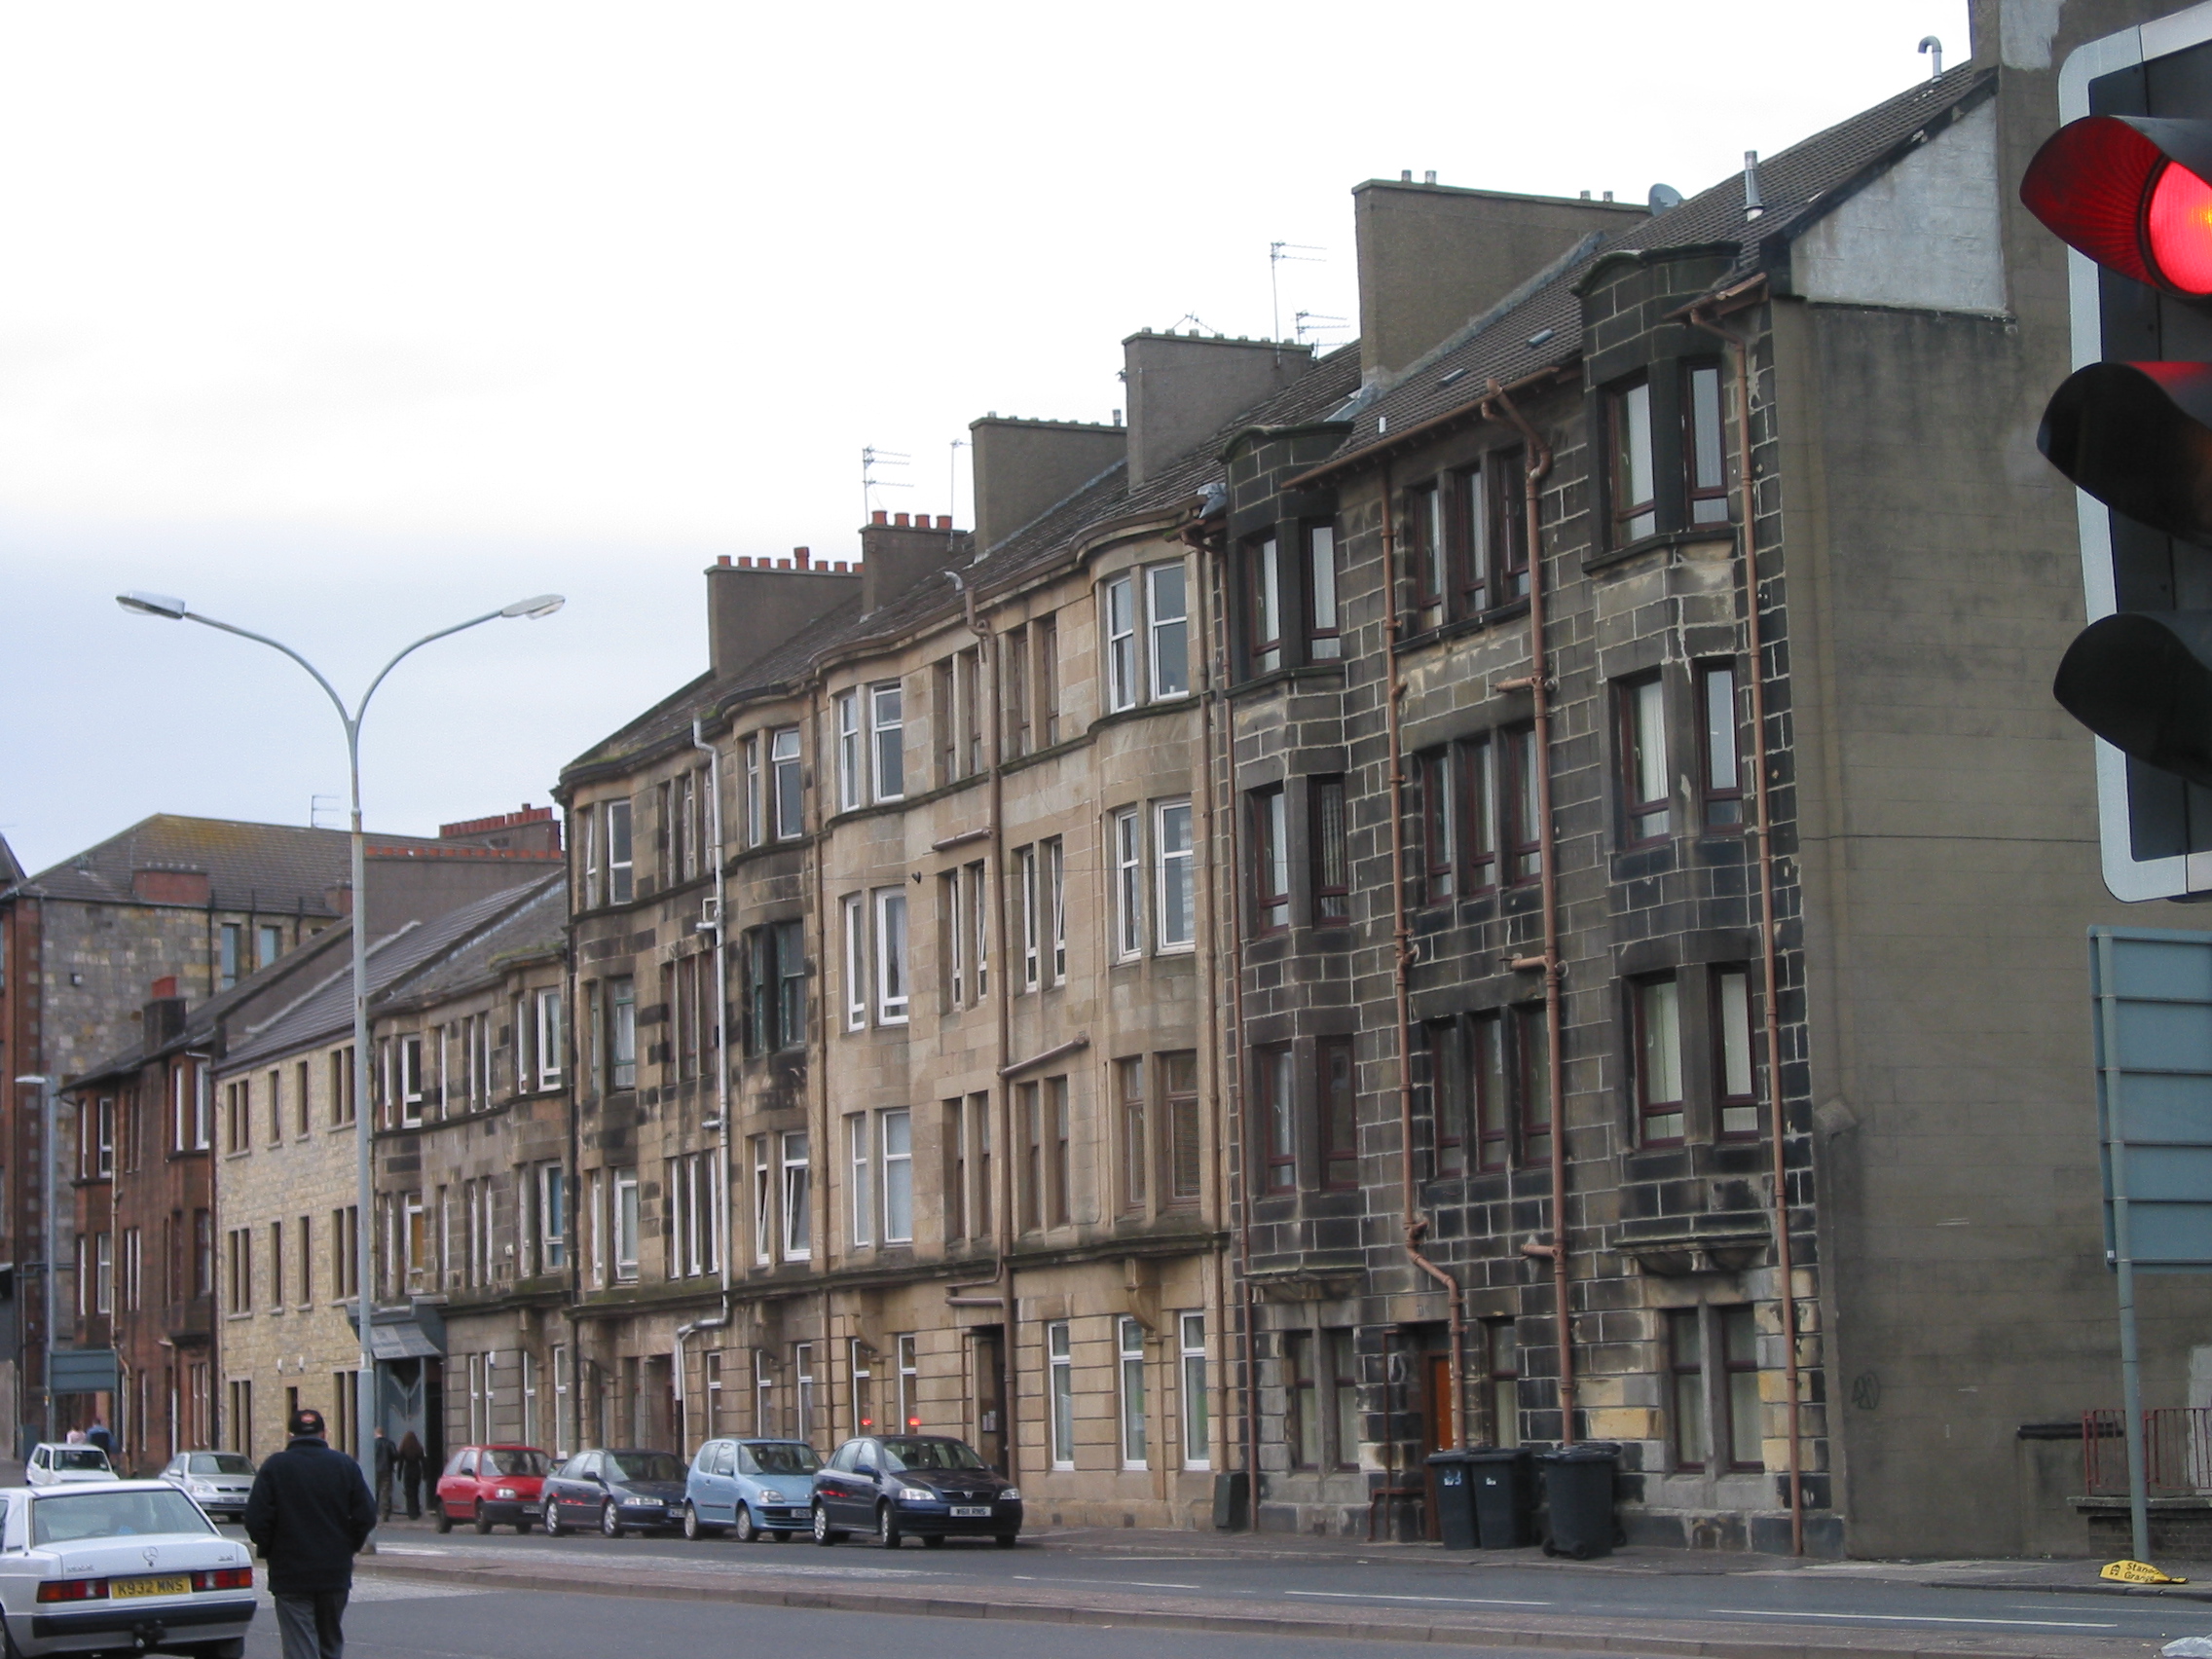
column 749, row 1487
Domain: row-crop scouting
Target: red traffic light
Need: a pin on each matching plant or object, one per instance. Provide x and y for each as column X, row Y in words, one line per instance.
column 2131, row 192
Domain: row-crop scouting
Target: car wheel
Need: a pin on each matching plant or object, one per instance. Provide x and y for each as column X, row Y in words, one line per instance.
column 1007, row 1540
column 824, row 1532
column 745, row 1529
column 887, row 1532
column 444, row 1520
column 483, row 1521
column 691, row 1528
column 933, row 1542
column 553, row 1528
column 610, row 1523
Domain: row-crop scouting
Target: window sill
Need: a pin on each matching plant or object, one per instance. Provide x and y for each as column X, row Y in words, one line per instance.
column 1329, row 668
column 1666, row 540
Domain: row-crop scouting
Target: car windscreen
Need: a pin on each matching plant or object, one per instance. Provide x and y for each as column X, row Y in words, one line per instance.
column 79, row 1458
column 511, row 1461
column 64, row 1517
column 932, row 1455
column 643, row 1466
column 782, row 1457
column 221, row 1463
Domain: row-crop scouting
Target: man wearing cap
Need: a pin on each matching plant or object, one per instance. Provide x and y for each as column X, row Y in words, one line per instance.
column 309, row 1515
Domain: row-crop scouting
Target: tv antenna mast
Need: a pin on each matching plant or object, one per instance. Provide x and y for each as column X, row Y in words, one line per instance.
column 1316, row 323
column 1280, row 253
column 952, row 480
column 873, row 457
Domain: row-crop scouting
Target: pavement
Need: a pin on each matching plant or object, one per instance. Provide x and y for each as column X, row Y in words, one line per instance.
column 1645, row 1601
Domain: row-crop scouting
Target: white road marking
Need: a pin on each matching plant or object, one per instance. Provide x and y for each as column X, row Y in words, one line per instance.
column 1456, row 1600
column 1903, row 1618
column 1102, row 1583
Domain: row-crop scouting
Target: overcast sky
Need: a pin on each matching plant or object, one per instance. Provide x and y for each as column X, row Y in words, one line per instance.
column 348, row 321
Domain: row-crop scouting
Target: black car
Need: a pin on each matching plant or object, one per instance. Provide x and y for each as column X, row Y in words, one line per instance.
column 616, row 1492
column 925, row 1485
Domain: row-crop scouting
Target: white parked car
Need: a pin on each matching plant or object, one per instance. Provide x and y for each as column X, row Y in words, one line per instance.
column 57, row 1466
column 124, row 1565
column 220, row 1482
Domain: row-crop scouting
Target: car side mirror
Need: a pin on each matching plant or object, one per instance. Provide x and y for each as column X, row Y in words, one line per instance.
column 867, row 1469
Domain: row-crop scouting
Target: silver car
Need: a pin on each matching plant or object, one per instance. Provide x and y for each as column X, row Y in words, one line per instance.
column 129, row 1564
column 219, row 1482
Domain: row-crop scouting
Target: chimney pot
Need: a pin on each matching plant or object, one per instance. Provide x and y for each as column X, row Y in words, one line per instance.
column 879, row 516
column 165, row 988
column 1406, row 176
column 1429, row 178
column 898, row 519
column 944, row 521
column 782, row 564
column 723, row 561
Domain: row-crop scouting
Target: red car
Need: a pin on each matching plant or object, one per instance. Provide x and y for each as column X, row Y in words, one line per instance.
column 493, row 1485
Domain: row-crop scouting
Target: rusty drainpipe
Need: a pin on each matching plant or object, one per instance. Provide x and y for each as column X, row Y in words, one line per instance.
column 1769, row 968
column 1540, row 684
column 1401, row 958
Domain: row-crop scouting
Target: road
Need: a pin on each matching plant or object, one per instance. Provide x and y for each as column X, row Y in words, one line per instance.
column 1858, row 1604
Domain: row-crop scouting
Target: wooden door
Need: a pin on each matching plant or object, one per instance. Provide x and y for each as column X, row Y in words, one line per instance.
column 1440, row 1428
column 989, row 1360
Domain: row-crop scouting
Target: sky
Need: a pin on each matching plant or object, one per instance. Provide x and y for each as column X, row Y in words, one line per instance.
column 347, row 322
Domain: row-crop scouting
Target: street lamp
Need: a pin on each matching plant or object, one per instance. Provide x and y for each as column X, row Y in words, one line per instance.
column 50, row 1089
column 176, row 611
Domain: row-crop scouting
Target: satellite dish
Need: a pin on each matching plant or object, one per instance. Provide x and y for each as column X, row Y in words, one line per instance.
column 1663, row 197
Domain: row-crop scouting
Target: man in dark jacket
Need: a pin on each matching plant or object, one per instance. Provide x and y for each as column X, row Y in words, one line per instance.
column 309, row 1515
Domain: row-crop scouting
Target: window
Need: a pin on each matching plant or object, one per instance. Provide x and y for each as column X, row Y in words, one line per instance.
column 855, row 910
column 1533, row 1060
column 269, row 944
column 625, row 1224
column 1128, row 884
column 1275, row 1110
column 620, row 870
column 1658, row 1061
column 954, row 1144
column 887, row 735
column 1013, row 664
column 1059, row 1209
column 230, row 948
column 1049, row 678
column 1179, row 1100
column 1644, row 783
column 1340, row 1116
column 552, row 1042
column 764, row 1204
column 1501, row 1362
column 1056, row 906
column 1031, row 920
column 1685, row 1366
column 1120, row 602
column 755, row 798
column 133, row 1270
column 1271, row 859
column 1265, row 568
column 587, row 857
column 1434, row 770
column 1469, row 528
column 415, row 1245
column 344, row 1088
column 1704, row 468
column 1060, row 1358
column 1447, row 1100
column 858, row 1195
column 1740, row 1360
column 1492, row 1113
column 788, row 781
column 799, row 1234
column 1426, row 545
column 552, row 1219
column 979, row 930
column 307, row 1262
column 1167, row 608
column 1332, row 855
column 1722, row 744
column 1136, row 1145
column 1301, row 1418
column 1030, row 1109
column 890, row 956
column 1524, row 804
column 776, row 988
column 1732, row 1039
column 1505, row 475
column 1344, row 1389
column 1478, row 798
column 1176, row 894
column 1132, row 1396
column 847, row 707
column 1197, row 1439
column 103, row 1129
column 1324, row 637
column 897, row 1177
column 622, row 1030
column 968, row 677
column 1628, row 435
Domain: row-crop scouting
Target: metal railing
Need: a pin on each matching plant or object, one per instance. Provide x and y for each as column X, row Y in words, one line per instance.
column 2177, row 1452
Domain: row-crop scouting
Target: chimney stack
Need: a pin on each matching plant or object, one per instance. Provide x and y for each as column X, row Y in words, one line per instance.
column 755, row 605
column 1021, row 467
column 1183, row 390
column 895, row 556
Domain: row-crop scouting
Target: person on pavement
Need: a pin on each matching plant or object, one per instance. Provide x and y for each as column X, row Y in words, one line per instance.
column 98, row 1435
column 384, row 1462
column 411, row 1461
column 309, row 1515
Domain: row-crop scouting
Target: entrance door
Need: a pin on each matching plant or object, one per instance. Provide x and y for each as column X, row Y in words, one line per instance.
column 1440, row 1428
column 989, row 1359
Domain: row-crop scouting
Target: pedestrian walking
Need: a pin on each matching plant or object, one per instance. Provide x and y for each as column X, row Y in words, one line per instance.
column 309, row 1515
column 99, row 1435
column 75, row 1437
column 385, row 1459
column 411, row 1461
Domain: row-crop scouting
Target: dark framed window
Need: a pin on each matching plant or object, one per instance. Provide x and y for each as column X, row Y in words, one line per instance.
column 1434, row 770
column 1301, row 1418
column 1136, row 1139
column 1740, row 1362
column 1324, row 637
column 1656, row 1012
column 1271, row 859
column 1447, row 1098
column 1478, row 815
column 1263, row 561
column 1524, row 804
column 1505, row 488
column 1277, row 1113
column 1705, row 467
column 1501, row 1355
column 1532, row 1082
column 1426, row 545
column 1493, row 1095
column 1332, row 855
column 1339, row 1114
column 1720, row 746
column 1686, row 1395
column 1179, row 1101
column 1735, row 1076
column 1470, row 541
column 776, row 988
column 1343, row 1392
column 1645, row 788
column 1630, row 470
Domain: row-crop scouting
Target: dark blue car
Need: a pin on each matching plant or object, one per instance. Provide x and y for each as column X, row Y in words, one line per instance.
column 925, row 1485
column 617, row 1491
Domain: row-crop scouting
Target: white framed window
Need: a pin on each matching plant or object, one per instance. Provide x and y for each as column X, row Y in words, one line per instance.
column 1131, row 1347
column 1167, row 619
column 1030, row 919
column 625, row 1228
column 789, row 782
column 803, row 1388
column 909, row 1386
column 622, row 1007
column 1198, row 1452
column 898, row 1128
column 979, row 930
column 764, row 1204
column 411, row 1079
column 887, row 733
column 1057, row 908
column 1060, row 1357
column 587, row 855
column 1121, row 608
column 799, row 1226
column 891, row 956
column 854, row 909
column 552, row 1040
column 848, row 715
column 1174, row 899
column 756, row 800
column 1128, row 884
column 552, row 1218
column 620, row 873
column 860, row 1190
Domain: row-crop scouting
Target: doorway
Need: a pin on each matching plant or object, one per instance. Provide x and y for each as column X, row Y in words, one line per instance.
column 1440, row 1429
column 988, row 1356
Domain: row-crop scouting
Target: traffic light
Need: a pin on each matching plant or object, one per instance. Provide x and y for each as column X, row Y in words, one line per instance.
column 2127, row 183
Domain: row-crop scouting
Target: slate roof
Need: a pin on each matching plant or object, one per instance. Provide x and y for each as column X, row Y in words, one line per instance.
column 10, row 872
column 537, row 927
column 1540, row 326
column 282, row 867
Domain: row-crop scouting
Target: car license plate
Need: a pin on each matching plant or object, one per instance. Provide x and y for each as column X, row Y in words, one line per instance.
column 176, row 1586
column 971, row 1511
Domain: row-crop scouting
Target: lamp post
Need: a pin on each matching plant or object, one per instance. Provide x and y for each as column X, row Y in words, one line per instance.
column 48, row 1090
column 176, row 611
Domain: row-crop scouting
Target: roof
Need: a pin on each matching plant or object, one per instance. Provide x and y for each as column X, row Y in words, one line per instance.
column 327, row 1010
column 1539, row 326
column 10, row 872
column 284, row 868
column 537, row 927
